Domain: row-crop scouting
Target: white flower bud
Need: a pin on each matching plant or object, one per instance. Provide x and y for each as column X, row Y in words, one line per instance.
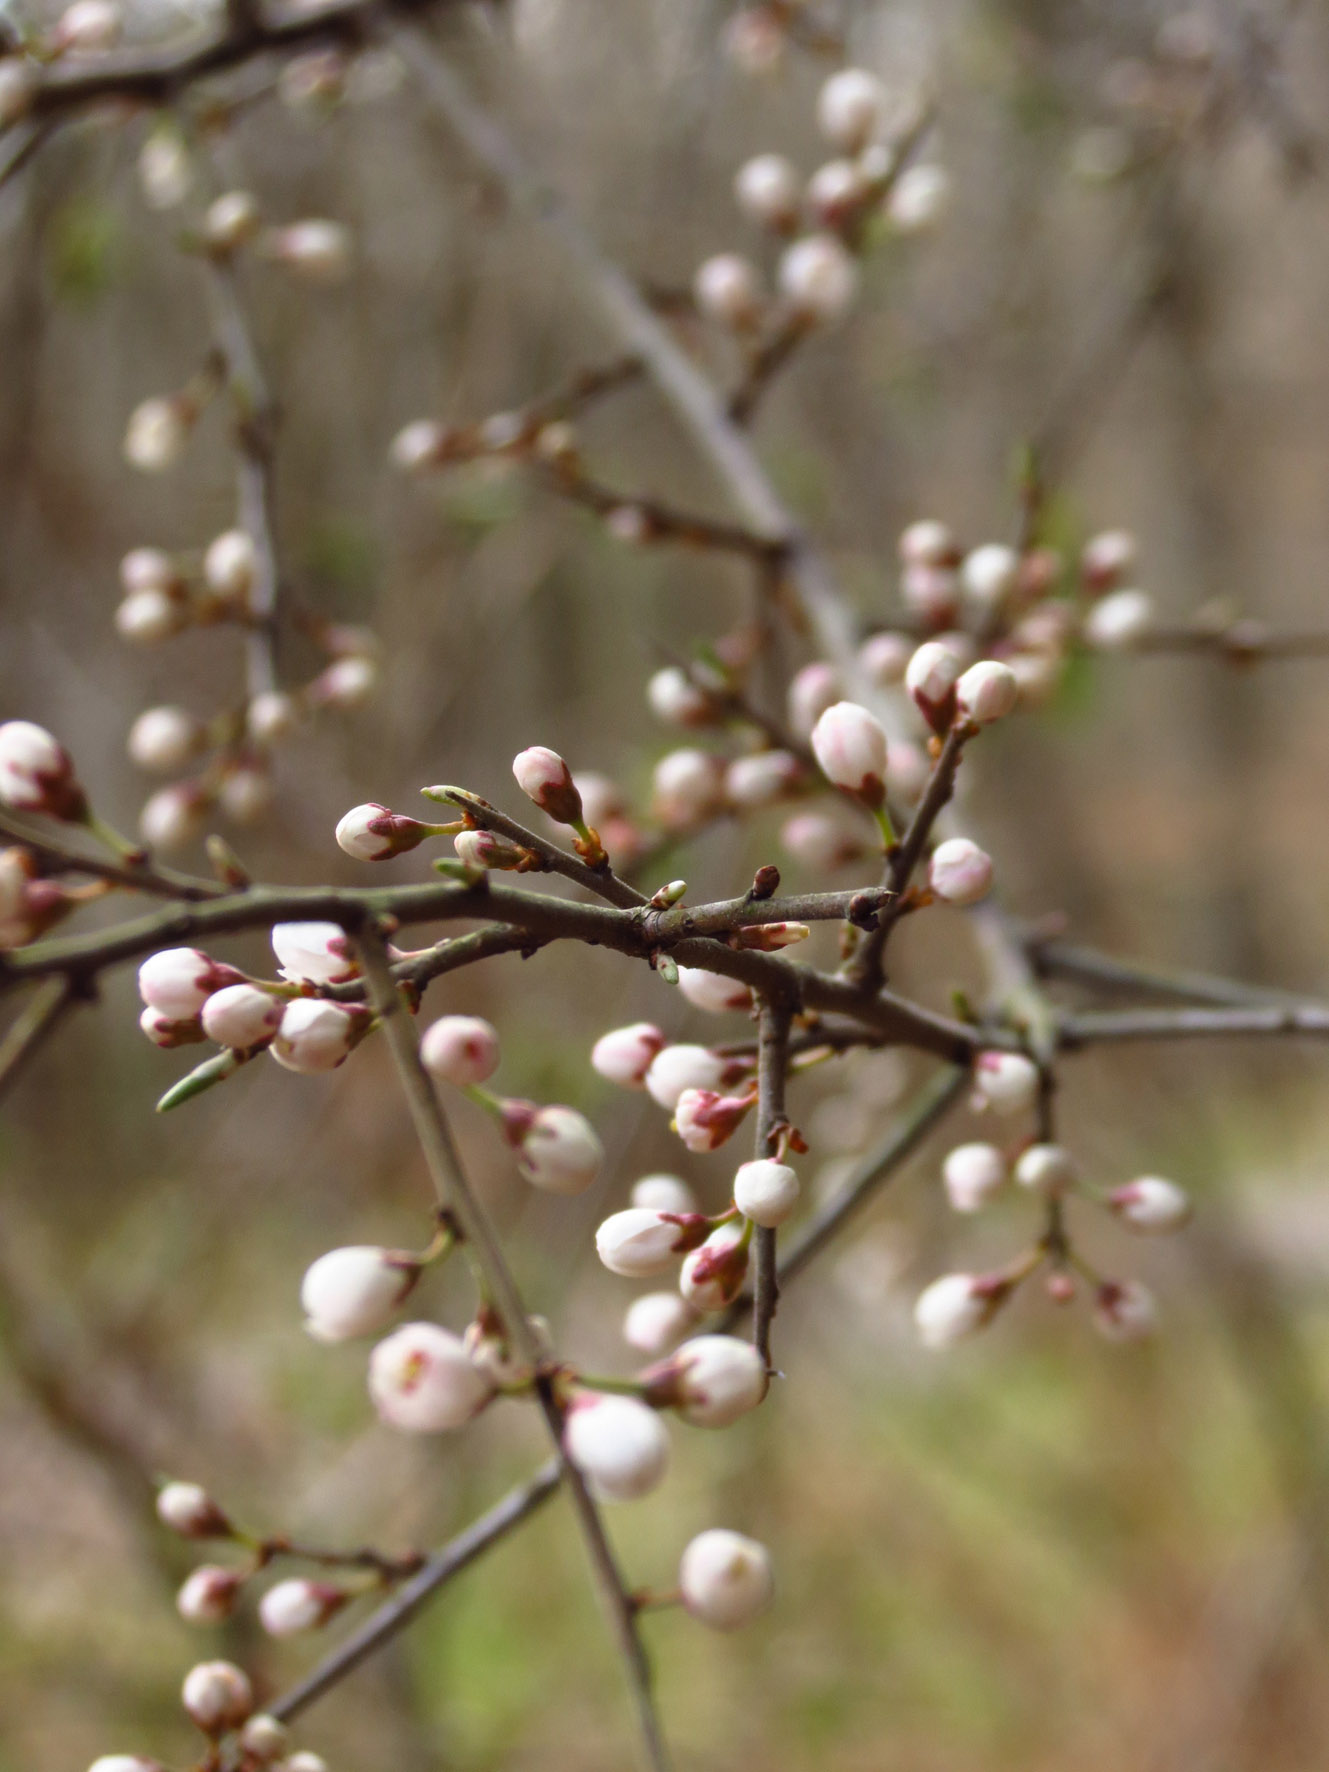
column 264, row 1739
column 601, row 799
column 1151, row 1204
column 656, row 1321
column 908, row 771
column 148, row 569
column 711, row 1380
column 374, row 832
column 1046, row 1169
column 231, row 220
column 727, row 290
column 811, row 691
column 663, row 1193
column 959, row 871
column 18, row 85
column 987, row 691
column 208, row 1595
column 460, row 1049
column 229, row 564
column 37, row 773
column 118, row 1762
column 421, row 445
column 242, row 1016
column 681, row 1067
column 178, row 981
column 316, row 1036
column 705, row 1120
column 1120, row 620
column 638, row 1242
column 157, row 432
column 819, row 840
column 768, row 191
column 165, row 174
column 271, row 716
column 165, row 1032
column 675, row 698
column 819, row 277
column 173, row 816
column 356, row 1290
column 88, row 26
column 973, row 1175
column 725, row 1579
column 347, row 684
column 761, row 779
column 188, row 1509
column 1125, row 1311
column 850, row 747
column 304, row 1761
column 956, row 1306
column 545, row 778
column 217, row 1696
column 835, row 190
column 245, row 792
column 422, row 1380
column 884, row 659
column 687, row 786
column 930, row 592
column 558, row 1150
column 146, row 617
column 164, row 739
column 618, row 1444
column 918, row 199
column 1107, row 558
column 317, row 250
column 624, row 1055
column 766, row 1191
column 928, row 542
column 298, row 1605
column 850, row 106
column 712, row 1277
column 713, row 992
column 1007, row 1082
column 316, row 953
column 930, row 678
column 754, row 40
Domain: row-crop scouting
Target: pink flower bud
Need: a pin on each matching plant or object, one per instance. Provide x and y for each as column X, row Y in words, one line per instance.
column 1007, row 1082
column 1151, row 1204
column 422, row 445
column 884, row 659
column 958, row 1305
column 656, row 1320
column 230, row 220
column 675, row 698
column 711, row 1380
column 769, row 191
column 850, row 747
column 168, row 1034
column 601, row 798
column 754, row 40
column 374, row 833
column 835, row 191
column 557, row 1148
column 687, row 786
column 930, row 592
column 271, row 716
column 727, row 290
column 1046, row 1169
column 356, row 1290
column 229, row 565
column 712, row 1276
column 618, row 1444
column 973, row 1175
column 245, row 791
column 347, row 684
column 928, row 542
column 769, row 938
column 819, row 278
column 304, row 1761
column 422, row 1380
column 811, row 691
column 1124, row 1310
column 819, row 840
column 188, row 1509
column 178, row 981
column 705, row 1120
column 87, row 27
column 638, row 1242
column 988, row 576
column 918, row 199
column 460, row 1049
column 37, row 774
column 145, row 617
column 713, row 992
column 209, row 1594
column 681, row 1067
column 931, row 678
column 960, row 872
column 157, row 432
column 164, row 739
column 624, row 1055
column 762, row 779
column 766, row 1191
column 545, row 778
column 850, row 107
column 315, row 1036
column 1107, row 558
column 264, row 1739
column 663, row 1193
column 299, row 1605
column 987, row 691
column 725, row 1579
column 1120, row 620
column 148, row 569
column 173, row 816
column 317, row 250
column 106, row 1762
column 217, row 1696
column 482, row 849
column 241, row 1016
column 314, row 953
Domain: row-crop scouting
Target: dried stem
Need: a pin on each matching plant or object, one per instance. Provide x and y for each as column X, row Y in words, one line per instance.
column 772, row 1070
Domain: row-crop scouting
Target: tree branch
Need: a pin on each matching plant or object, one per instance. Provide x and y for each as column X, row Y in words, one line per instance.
column 772, row 1069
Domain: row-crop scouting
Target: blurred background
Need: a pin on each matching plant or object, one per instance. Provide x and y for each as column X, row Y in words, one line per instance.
column 1038, row 1552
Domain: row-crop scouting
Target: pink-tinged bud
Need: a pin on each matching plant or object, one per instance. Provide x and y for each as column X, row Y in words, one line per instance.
column 1121, row 620
column 422, row 1380
column 37, row 774
column 217, row 1696
column 727, row 290
column 146, row 617
column 299, row 1605
column 850, row 107
column 884, row 659
column 87, row 27
column 973, row 1174
column 314, row 953
column 165, row 1032
column 271, row 716
column 304, row 1761
column 319, row 251
column 682, row 1067
column 148, row 569
column 315, row 1036
column 109, row 1762
column 762, row 779
column 811, row 691
column 1047, row 1169
column 460, row 1049
column 819, row 840
column 356, row 1290
column 713, row 992
column 638, row 1242
column 245, row 792
column 164, row 739
column 656, row 1321
column 754, row 40
column 850, row 747
column 557, row 1148
column 725, row 1579
column 819, row 278
column 375, row 833
column 264, row 1739
column 711, row 1380
column 676, row 699
column 345, row 685
column 664, row 1193
column 188, row 1509
column 545, row 778
column 705, row 1120
column 918, row 199
column 931, row 679
column 209, row 1595
column 1007, row 1082
column 1124, row 1310
column 494, row 1356
column 241, row 1016
column 769, row 938
column 987, row 691
column 1036, row 674
column 769, row 191
column 835, row 191
column 930, row 592
column 624, row 1055
column 618, row 1444
column 421, row 445
column 157, row 432
column 482, row 849
column 601, row 798
column 712, row 1277
column 229, row 565
column 1151, row 1204
column 173, row 816
column 231, row 220
column 960, row 872
column 928, row 542
column 179, row 981
column 687, row 786
column 908, row 771
column 1107, row 558
column 958, row 1305
column 766, row 1191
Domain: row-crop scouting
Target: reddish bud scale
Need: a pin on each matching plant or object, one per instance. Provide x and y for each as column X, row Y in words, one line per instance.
column 705, row 1119
column 722, row 1266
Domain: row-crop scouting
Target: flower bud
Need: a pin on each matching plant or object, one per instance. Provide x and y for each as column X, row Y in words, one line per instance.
column 245, row 791
column 1124, row 1310
column 315, row 1036
column 179, row 981
column 769, row 938
column 766, row 1191
column 850, row 747
column 1120, row 620
column 146, row 617
column 1046, row 1169
column 821, row 841
column 918, row 199
column 209, row 1594
column 165, row 1032
column 1007, row 1082
column 987, row 691
column 164, row 739
column 241, row 1016
column 725, row 1579
column 601, row 798
column 711, row 1380
column 271, row 716
column 639, row 1242
column 656, row 1320
column 37, row 773
column 1107, row 558
column 811, row 691
column 421, row 445
column 112, row 1762
column 460, row 1049
column 835, row 191
column 713, row 992
column 884, row 658
column 230, row 563
column 157, row 432
column 373, row 832
column 768, row 191
column 356, row 1290
column 927, row 542
column 347, row 684
column 494, row 1356
column 754, row 40
column 231, row 220
column 319, row 251
column 818, row 278
column 712, row 1277
column 165, row 174
column 482, row 849
column 959, row 871
column 931, row 679
column 727, row 290
column 545, row 778
column 264, row 1739
column 705, row 1120
column 850, row 106
column 217, row 1696
column 557, row 1148
column 973, row 1175
column 687, row 786
column 761, row 779
column 148, row 569
column 681, row 1067
column 618, row 1444
column 299, row 1605
column 188, row 1509
column 304, row 1761
column 958, row 1305
column 675, row 698
column 624, row 1055
column 1151, row 1204
column 87, row 27
column 173, row 816
column 314, row 953
column 422, row 1380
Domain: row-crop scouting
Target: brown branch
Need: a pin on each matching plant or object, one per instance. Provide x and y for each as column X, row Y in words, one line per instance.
column 772, row 1069
column 33, row 1026
column 658, row 521
column 57, row 856
column 1053, row 958
column 602, row 881
column 1094, row 1027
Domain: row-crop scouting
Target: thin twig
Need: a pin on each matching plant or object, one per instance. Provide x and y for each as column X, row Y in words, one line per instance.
column 1093, row 1027
column 772, row 1070
column 33, row 1027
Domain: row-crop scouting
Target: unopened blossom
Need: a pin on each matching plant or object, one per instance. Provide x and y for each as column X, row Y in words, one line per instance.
column 959, row 871
column 1007, row 1082
column 818, row 277
column 264, row 1739
column 1120, row 620
column 987, row 691
column 601, row 798
column 710, row 1380
column 712, row 1276
column 973, row 1174
column 314, row 953
column 932, row 593
column 347, row 684
column 725, row 1579
column 656, row 1321
column 640, row 1242
column 1107, row 558
column 146, row 617
column 304, row 1761
column 423, row 1381
column 148, row 569
column 663, row 1193
column 178, row 981
column 927, row 542
column 483, row 849
column 460, row 1049
column 850, row 107
column 545, row 778
column 811, row 691
column 299, row 1604
column 230, row 563
column 157, row 432
column 421, row 445
column 908, row 771
column 834, row 192
column 242, row 1016
column 271, row 716
column 850, row 747
column 230, row 220
column 619, row 1445
column 769, row 938
column 217, row 1696
column 624, row 1055
column 762, row 778
column 754, row 40
column 705, row 1120
column 356, row 1290
column 165, row 1032
column 1151, row 1204
column 1047, row 1169
column 819, row 840
column 766, row 1191
column 674, row 697
column 37, row 773
column 317, row 250
column 712, row 991
column 884, row 658
column 918, row 199
column 686, row 787
column 316, row 1036
column 188, row 1509
column 209, row 1594
column 165, row 173
column 681, row 1066
column 727, row 289
column 768, row 190
column 931, row 678
column 245, row 791
column 374, row 832
column 173, row 816
column 119, row 1762
column 558, row 1150
column 958, row 1305
column 1124, row 1310
column 87, row 27
column 164, row 739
